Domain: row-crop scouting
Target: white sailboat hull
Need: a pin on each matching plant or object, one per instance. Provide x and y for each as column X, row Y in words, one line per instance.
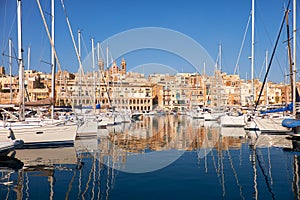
column 42, row 135
column 233, row 121
column 271, row 125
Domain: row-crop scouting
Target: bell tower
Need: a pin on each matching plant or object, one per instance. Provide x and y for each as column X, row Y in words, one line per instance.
column 123, row 66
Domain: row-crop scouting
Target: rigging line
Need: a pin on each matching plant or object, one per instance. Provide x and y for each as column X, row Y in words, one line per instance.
column 43, row 38
column 90, row 89
column 72, row 37
column 43, row 46
column 111, row 57
column 268, row 36
column 84, row 45
column 52, row 45
column 261, row 69
column 81, row 70
column 284, row 73
column 242, row 45
column 15, row 53
column 4, row 25
column 15, row 57
column 49, row 14
column 273, row 53
column 11, row 28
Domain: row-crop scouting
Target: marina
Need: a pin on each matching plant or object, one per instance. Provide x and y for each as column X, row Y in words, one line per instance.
column 160, row 157
column 100, row 126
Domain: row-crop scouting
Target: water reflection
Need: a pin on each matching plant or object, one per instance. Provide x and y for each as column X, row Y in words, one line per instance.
column 163, row 133
column 207, row 156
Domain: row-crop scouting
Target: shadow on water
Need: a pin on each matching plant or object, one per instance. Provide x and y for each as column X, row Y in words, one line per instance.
column 10, row 163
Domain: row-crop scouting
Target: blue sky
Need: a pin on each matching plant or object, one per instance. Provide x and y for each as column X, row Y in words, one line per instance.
column 209, row 23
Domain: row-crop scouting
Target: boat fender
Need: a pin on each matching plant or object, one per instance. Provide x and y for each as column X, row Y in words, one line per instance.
column 11, row 134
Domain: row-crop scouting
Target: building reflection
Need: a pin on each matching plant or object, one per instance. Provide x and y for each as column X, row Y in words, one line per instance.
column 172, row 132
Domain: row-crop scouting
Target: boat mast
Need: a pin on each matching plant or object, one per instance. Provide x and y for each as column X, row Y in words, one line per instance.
column 98, row 51
column 99, row 71
column 220, row 81
column 80, row 70
column 267, row 98
column 10, row 69
column 107, row 58
column 294, row 55
column 290, row 57
column 52, row 62
column 108, row 79
column 21, row 66
column 28, row 58
column 252, row 51
column 272, row 56
column 220, row 57
column 94, row 77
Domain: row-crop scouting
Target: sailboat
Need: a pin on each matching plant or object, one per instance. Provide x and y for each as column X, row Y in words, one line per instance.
column 233, row 118
column 35, row 133
column 274, row 125
column 87, row 121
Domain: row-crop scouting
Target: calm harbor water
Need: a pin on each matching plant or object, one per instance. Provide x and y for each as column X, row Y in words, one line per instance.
column 166, row 157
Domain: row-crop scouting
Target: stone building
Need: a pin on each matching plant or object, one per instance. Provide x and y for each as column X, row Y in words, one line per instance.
column 115, row 87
